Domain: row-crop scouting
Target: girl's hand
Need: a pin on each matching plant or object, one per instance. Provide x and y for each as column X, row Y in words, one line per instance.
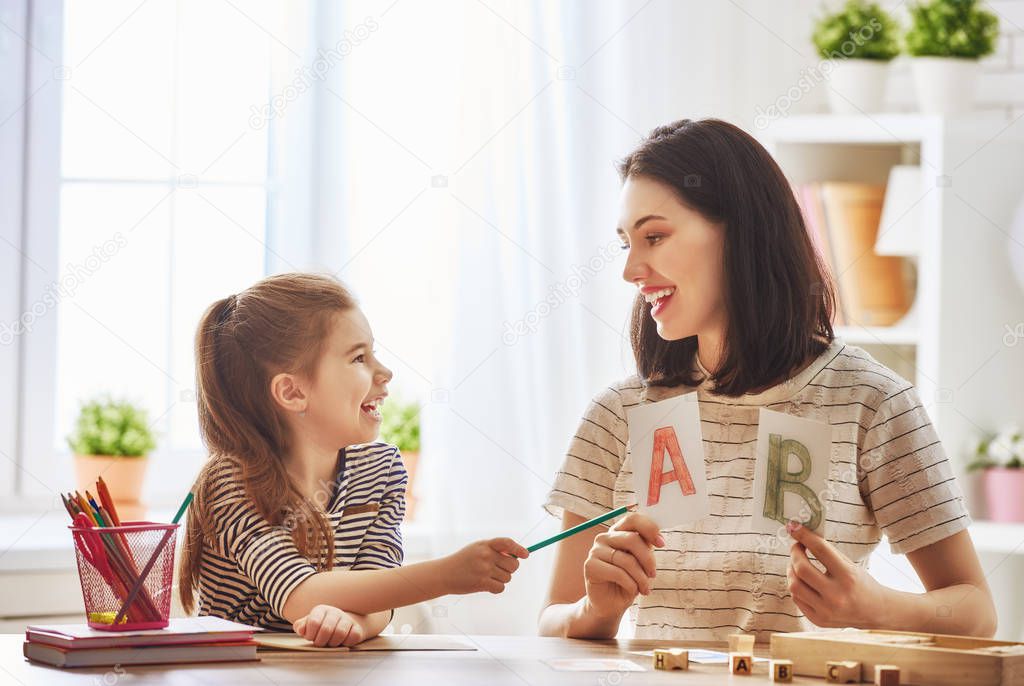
column 328, row 626
column 844, row 595
column 483, row 566
column 621, row 564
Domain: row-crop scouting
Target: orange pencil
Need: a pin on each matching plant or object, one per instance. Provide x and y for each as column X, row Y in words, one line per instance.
column 86, row 508
column 108, row 502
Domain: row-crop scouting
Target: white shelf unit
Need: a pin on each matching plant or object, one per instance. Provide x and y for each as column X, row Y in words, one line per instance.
column 951, row 344
column 951, row 347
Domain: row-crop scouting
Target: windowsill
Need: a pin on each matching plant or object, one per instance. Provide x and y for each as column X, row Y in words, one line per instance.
column 42, row 542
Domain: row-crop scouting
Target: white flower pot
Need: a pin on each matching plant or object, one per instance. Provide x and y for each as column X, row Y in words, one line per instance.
column 856, row 85
column 945, row 85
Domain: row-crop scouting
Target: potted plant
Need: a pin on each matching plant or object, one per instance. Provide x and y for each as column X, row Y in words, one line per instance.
column 946, row 39
column 400, row 427
column 1002, row 458
column 112, row 439
column 858, row 41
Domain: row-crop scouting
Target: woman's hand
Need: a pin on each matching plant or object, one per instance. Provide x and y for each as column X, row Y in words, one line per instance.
column 483, row 566
column 326, row 625
column 621, row 564
column 844, row 595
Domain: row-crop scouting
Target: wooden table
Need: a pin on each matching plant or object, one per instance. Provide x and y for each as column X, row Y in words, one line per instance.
column 498, row 660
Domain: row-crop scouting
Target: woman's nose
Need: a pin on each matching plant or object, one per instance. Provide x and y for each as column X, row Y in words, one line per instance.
column 636, row 268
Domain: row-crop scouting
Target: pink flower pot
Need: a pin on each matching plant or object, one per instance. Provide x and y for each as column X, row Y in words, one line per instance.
column 1004, row 493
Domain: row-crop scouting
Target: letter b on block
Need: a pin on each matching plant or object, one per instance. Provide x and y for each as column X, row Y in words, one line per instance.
column 780, row 480
column 665, row 440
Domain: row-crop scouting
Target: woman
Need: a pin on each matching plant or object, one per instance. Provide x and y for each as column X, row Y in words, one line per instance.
column 734, row 302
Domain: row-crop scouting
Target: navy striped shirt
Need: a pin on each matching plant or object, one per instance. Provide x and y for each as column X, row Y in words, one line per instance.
column 252, row 567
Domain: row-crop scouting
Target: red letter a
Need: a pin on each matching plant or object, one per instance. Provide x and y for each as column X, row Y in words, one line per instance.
column 665, row 439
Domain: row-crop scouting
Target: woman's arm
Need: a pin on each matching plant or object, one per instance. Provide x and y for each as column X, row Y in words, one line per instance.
column 957, row 599
column 480, row 566
column 597, row 575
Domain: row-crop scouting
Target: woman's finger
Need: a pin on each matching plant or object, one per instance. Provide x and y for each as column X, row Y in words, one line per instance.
column 806, row 571
column 643, row 525
column 599, row 571
column 632, row 543
column 624, row 560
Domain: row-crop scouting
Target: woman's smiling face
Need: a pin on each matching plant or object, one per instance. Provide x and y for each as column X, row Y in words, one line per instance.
column 675, row 259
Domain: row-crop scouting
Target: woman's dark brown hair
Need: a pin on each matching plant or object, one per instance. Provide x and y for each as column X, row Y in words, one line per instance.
column 280, row 324
column 778, row 293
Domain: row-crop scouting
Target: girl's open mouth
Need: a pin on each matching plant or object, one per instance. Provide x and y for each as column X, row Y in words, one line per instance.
column 372, row 409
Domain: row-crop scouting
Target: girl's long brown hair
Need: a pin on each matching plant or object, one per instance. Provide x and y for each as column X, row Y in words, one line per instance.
column 278, row 325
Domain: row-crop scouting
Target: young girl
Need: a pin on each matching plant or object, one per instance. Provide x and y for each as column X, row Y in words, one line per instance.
column 733, row 302
column 297, row 514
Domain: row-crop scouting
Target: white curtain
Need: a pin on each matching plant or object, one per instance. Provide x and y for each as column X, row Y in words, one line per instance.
column 458, row 161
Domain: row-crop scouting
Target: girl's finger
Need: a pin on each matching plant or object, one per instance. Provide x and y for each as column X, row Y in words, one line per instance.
column 624, row 560
column 646, row 527
column 509, row 564
column 299, row 626
column 341, row 632
column 354, row 636
column 326, row 631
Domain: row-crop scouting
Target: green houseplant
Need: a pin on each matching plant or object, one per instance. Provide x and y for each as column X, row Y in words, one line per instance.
column 1000, row 457
column 946, row 39
column 112, row 439
column 857, row 42
column 400, row 426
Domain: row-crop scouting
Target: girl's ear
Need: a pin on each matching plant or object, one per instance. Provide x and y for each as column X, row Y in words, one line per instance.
column 288, row 392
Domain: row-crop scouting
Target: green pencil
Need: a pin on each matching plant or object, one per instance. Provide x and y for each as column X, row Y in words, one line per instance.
column 600, row 519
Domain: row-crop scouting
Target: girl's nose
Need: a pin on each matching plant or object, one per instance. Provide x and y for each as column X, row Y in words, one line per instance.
column 384, row 374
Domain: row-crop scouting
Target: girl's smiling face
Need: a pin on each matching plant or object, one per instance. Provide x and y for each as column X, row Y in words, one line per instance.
column 350, row 383
column 675, row 259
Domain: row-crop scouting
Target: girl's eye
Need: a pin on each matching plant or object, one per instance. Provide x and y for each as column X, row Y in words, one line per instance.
column 360, row 359
column 623, row 246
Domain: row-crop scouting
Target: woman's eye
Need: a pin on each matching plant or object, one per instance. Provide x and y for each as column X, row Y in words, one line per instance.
column 653, row 238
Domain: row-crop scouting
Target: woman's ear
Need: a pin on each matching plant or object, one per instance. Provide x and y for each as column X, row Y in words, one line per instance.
column 289, row 393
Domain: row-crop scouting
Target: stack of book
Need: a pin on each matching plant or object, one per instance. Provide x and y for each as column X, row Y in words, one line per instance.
column 843, row 220
column 186, row 640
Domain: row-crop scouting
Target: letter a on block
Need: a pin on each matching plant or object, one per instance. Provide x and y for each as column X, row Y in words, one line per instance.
column 665, row 441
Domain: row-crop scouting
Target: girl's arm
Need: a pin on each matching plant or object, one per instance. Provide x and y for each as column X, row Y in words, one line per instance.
column 480, row 566
column 957, row 599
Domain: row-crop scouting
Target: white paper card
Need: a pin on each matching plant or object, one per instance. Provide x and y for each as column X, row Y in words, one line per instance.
column 669, row 475
column 791, row 472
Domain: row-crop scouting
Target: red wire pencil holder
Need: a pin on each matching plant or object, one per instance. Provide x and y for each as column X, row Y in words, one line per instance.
column 126, row 574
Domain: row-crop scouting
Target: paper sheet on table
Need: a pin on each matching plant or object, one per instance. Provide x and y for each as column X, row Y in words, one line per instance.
column 389, row 642
column 593, row 665
column 670, row 491
column 791, row 472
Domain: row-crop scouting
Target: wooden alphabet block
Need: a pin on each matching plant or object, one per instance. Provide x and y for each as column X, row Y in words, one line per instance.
column 842, row 672
column 741, row 643
column 741, row 663
column 671, row 658
column 782, row 671
column 887, row 675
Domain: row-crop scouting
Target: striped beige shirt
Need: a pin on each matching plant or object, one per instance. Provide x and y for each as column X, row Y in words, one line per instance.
column 889, row 474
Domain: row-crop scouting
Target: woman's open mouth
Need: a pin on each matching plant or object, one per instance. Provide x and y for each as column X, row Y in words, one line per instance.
column 659, row 299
